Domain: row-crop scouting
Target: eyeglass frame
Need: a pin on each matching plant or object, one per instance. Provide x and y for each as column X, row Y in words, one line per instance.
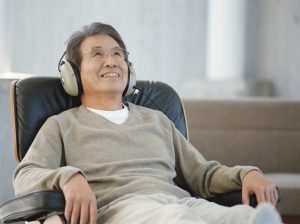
column 110, row 52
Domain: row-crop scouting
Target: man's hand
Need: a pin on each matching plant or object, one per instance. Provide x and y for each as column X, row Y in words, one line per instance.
column 256, row 183
column 81, row 206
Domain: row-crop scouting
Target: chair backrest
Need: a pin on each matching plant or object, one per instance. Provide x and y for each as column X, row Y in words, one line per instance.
column 35, row 99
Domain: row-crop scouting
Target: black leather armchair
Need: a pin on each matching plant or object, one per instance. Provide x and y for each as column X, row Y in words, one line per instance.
column 34, row 99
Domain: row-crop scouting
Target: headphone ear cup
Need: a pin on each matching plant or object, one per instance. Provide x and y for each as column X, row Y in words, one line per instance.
column 69, row 78
column 131, row 80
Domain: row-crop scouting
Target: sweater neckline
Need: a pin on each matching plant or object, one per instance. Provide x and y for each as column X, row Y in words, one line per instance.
column 94, row 118
column 116, row 116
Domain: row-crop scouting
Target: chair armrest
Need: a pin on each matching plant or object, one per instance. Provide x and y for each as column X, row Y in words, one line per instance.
column 235, row 198
column 33, row 206
column 232, row 198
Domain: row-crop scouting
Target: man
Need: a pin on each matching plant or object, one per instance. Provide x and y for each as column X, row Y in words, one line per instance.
column 125, row 163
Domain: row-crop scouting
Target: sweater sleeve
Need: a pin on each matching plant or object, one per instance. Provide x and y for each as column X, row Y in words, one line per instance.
column 204, row 178
column 41, row 168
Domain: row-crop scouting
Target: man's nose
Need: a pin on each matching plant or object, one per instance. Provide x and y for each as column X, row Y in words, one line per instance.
column 109, row 60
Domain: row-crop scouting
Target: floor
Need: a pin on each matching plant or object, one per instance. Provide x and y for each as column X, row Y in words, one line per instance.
column 291, row 219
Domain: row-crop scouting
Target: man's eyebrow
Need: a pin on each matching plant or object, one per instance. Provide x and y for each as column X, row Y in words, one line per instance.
column 99, row 47
column 95, row 48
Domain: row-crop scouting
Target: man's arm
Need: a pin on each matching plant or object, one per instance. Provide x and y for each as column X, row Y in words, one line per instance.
column 207, row 178
column 40, row 169
column 254, row 182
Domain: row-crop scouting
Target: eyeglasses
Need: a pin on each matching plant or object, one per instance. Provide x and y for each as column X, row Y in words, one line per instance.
column 98, row 53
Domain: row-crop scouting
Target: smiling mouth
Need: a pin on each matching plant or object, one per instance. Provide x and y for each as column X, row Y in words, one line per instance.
column 110, row 75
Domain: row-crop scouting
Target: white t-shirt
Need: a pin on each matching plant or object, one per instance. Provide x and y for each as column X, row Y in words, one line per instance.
column 116, row 116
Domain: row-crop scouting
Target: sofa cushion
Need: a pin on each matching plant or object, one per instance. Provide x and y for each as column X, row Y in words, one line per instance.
column 259, row 132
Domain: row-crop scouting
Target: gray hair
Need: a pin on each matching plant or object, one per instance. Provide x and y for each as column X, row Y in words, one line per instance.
column 73, row 53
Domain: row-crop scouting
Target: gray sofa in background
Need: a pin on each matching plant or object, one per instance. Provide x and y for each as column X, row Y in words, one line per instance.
column 264, row 132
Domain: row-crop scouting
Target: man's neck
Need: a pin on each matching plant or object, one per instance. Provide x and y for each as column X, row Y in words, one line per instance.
column 108, row 104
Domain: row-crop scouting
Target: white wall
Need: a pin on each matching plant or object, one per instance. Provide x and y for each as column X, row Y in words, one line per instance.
column 273, row 46
column 166, row 39
column 4, row 50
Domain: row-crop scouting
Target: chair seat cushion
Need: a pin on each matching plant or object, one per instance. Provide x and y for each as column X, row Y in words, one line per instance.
column 289, row 185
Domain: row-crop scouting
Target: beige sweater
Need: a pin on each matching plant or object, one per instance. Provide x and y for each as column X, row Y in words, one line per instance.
column 144, row 155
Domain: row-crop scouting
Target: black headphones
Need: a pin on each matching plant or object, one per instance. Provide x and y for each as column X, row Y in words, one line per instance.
column 71, row 81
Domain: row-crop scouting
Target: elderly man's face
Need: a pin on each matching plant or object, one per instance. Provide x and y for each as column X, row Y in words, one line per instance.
column 103, row 70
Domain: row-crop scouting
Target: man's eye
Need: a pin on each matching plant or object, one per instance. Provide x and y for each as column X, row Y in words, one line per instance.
column 118, row 53
column 97, row 53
